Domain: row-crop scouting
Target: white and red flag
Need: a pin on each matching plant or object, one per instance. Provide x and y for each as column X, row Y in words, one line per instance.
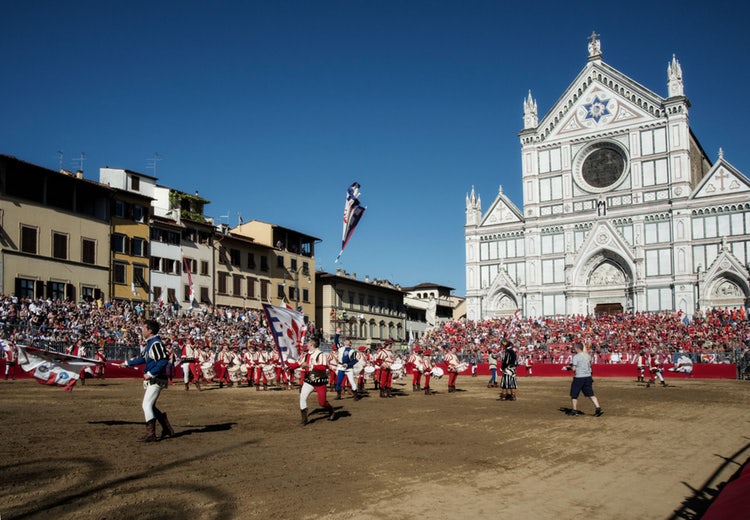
column 352, row 214
column 288, row 328
column 53, row 368
column 186, row 267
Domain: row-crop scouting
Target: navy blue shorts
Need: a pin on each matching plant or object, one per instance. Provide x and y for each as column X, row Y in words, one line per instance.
column 582, row 384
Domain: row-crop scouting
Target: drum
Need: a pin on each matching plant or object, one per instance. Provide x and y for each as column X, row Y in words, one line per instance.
column 369, row 371
column 243, row 370
column 234, row 373
column 270, row 372
column 397, row 370
column 358, row 367
column 437, row 372
column 207, row 367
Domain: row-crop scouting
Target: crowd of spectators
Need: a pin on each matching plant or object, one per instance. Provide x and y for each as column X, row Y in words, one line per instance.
column 714, row 336
column 56, row 325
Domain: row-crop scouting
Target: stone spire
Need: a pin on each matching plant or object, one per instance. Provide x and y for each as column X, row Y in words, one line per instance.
column 473, row 208
column 674, row 78
column 595, row 46
column 530, row 114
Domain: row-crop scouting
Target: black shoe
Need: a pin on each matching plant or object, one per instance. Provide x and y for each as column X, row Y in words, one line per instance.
column 573, row 413
column 598, row 412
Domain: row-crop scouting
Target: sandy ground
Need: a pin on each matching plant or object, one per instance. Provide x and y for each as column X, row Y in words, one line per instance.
column 655, row 453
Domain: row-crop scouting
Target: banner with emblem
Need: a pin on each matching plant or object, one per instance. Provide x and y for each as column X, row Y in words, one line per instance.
column 353, row 212
column 53, row 368
column 288, row 329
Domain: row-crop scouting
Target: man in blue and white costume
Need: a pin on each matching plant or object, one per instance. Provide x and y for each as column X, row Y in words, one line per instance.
column 347, row 361
column 154, row 356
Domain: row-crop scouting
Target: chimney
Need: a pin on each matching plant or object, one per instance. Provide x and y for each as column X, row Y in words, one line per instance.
column 367, row 278
column 79, row 174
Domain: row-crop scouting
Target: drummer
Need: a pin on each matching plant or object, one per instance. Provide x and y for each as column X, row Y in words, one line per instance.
column 385, row 359
column 260, row 360
column 451, row 359
column 364, row 357
column 427, row 367
column 415, row 359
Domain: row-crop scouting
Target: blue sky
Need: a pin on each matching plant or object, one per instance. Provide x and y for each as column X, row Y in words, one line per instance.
column 271, row 109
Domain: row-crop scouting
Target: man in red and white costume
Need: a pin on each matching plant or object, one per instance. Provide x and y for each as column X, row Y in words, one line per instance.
column 641, row 362
column 10, row 354
column 365, row 357
column 190, row 365
column 224, row 359
column 99, row 369
column 247, row 362
column 333, row 367
column 656, row 368
column 384, row 359
column 315, row 365
column 260, row 360
column 452, row 362
column 417, row 368
column 427, row 367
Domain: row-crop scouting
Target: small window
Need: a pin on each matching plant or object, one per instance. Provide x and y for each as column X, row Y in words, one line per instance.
column 118, row 243
column 118, row 273
column 139, row 276
column 57, row 290
column 235, row 257
column 25, row 288
column 204, row 268
column 138, row 213
column 138, row 247
column 280, row 261
column 28, row 239
column 88, row 251
column 60, row 246
column 264, row 263
column 135, row 183
column 120, row 209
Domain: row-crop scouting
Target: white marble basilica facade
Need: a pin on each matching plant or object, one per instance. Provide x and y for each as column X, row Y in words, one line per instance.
column 622, row 209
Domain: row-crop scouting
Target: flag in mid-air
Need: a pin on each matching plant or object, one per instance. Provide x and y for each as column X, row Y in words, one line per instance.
column 352, row 214
column 288, row 329
column 53, row 368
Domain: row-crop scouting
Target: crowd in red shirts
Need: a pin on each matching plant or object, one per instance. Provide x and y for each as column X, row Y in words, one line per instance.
column 715, row 336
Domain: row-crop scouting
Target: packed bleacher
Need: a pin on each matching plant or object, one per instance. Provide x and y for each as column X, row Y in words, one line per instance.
column 715, row 336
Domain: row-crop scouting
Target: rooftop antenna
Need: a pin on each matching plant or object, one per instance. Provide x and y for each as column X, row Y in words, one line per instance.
column 80, row 160
column 59, row 160
column 151, row 162
column 225, row 217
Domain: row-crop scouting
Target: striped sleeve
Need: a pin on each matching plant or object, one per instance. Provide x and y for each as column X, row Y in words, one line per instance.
column 157, row 351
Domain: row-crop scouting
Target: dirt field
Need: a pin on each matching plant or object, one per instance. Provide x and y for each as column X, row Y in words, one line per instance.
column 655, row 453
